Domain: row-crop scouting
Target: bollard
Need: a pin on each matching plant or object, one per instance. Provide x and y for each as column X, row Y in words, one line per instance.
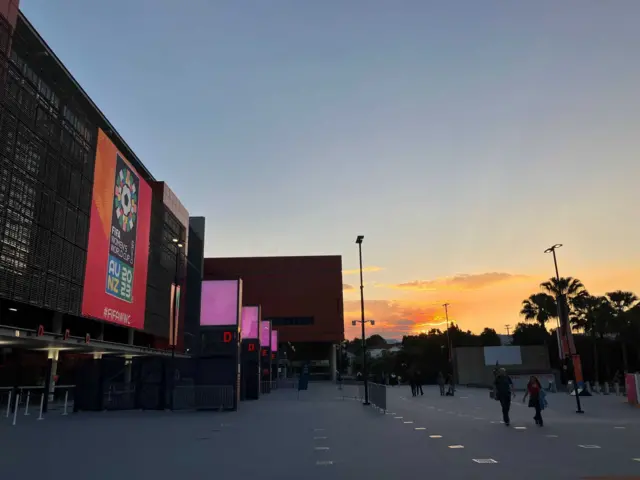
column 616, row 386
column 588, row 386
column 66, row 398
column 606, row 388
column 15, row 410
column 26, row 406
column 41, row 406
column 9, row 403
column 596, row 387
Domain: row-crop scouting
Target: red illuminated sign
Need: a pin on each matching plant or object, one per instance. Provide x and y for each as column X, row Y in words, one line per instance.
column 227, row 337
column 265, row 372
column 252, row 347
column 263, row 352
column 273, row 356
column 115, row 286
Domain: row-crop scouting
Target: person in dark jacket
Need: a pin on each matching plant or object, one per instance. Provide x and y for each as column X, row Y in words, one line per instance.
column 441, row 383
column 417, row 380
column 503, row 391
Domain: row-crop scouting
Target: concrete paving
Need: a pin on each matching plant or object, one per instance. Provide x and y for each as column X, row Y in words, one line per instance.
column 322, row 436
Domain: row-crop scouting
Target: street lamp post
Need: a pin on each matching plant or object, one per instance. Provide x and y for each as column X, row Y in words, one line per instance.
column 564, row 324
column 450, row 347
column 362, row 321
column 174, row 320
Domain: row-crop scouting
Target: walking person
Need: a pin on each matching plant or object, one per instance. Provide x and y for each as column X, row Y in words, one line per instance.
column 418, row 382
column 536, row 396
column 450, row 386
column 441, row 383
column 503, row 392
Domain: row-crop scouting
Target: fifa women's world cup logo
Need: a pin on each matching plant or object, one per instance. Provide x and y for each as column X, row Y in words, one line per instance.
column 122, row 245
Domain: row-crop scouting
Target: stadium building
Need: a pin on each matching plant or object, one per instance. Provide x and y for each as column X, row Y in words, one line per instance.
column 93, row 248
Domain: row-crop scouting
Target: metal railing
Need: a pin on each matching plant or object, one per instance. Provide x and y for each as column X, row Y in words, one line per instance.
column 378, row 396
column 120, row 396
column 30, row 397
column 203, row 397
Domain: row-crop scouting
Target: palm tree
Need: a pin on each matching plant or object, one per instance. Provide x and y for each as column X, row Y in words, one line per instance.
column 569, row 286
column 592, row 314
column 539, row 307
column 622, row 303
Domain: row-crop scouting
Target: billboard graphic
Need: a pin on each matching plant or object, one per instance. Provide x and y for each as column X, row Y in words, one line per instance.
column 274, row 340
column 250, row 320
column 116, row 272
column 220, row 303
column 265, row 334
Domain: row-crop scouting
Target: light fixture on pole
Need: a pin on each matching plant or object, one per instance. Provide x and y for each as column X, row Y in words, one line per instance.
column 565, row 328
column 175, row 314
column 450, row 347
column 362, row 321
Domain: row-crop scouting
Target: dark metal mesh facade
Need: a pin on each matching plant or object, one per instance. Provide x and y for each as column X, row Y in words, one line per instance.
column 163, row 255
column 47, row 152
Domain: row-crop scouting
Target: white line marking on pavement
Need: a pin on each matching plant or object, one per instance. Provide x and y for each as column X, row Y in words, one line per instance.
column 409, row 421
column 520, row 428
column 589, row 446
column 324, row 462
column 456, row 446
column 318, row 429
column 552, row 436
column 485, row 460
column 420, row 428
column 493, row 421
column 464, row 397
column 435, row 436
column 636, row 459
column 321, row 448
column 398, row 418
column 619, row 428
column 319, row 438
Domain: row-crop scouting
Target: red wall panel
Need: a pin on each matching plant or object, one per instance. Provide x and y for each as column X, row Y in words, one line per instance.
column 290, row 287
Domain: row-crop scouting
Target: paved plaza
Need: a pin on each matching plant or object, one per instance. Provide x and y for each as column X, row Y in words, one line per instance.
column 323, row 436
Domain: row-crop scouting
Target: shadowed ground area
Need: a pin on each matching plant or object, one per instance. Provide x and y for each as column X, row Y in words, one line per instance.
column 322, row 436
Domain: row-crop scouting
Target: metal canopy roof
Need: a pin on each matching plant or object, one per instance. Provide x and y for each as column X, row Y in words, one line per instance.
column 28, row 339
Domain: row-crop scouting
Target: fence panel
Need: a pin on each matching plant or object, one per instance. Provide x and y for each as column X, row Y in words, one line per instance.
column 378, row 396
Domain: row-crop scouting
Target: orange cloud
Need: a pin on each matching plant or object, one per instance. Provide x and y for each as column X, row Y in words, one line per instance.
column 346, row 287
column 394, row 318
column 462, row 281
column 364, row 270
column 486, row 300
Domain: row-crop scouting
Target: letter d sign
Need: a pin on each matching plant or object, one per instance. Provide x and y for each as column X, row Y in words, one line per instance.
column 227, row 337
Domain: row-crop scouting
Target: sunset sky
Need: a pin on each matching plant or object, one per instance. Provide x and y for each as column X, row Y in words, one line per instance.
column 461, row 138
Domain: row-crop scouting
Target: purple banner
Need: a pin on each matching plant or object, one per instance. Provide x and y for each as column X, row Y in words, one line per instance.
column 220, row 302
column 265, row 334
column 250, row 321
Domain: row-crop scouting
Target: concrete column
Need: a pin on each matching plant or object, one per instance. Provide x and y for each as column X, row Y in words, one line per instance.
column 128, row 368
column 130, row 336
column 332, row 362
column 53, row 356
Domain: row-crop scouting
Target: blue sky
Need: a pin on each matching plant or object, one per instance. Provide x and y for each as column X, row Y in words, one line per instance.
column 458, row 137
